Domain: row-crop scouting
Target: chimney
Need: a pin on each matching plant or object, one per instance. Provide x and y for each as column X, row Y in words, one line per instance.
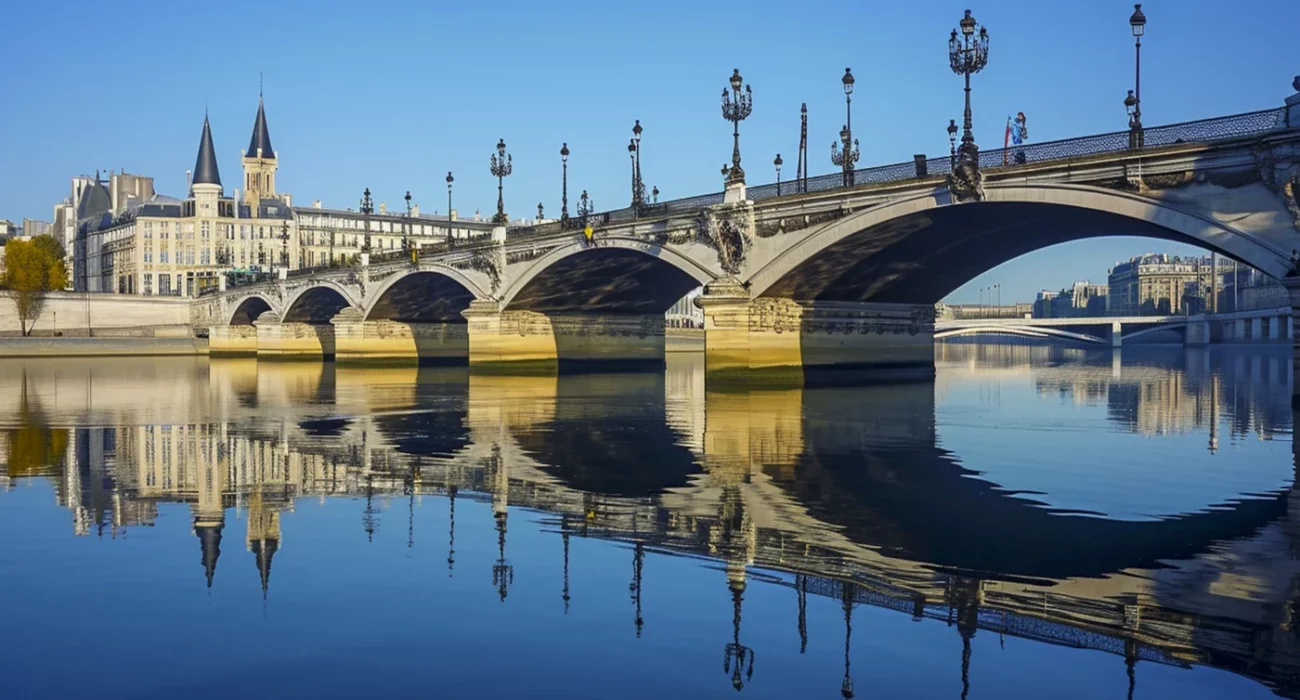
column 922, row 168
column 415, row 210
column 189, row 177
column 383, row 207
column 315, row 204
column 452, row 215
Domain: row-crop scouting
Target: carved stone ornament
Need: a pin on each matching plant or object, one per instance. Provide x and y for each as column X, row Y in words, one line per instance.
column 728, row 229
column 1279, row 168
column 966, row 182
column 491, row 262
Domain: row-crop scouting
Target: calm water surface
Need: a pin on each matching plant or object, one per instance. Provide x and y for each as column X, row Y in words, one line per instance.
column 1036, row 522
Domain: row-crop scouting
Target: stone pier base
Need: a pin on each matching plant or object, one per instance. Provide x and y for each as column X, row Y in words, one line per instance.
column 276, row 340
column 395, row 342
column 232, row 340
column 782, row 340
column 520, row 340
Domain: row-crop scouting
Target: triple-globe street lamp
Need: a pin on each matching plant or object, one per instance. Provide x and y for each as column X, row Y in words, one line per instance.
column 564, row 188
column 501, row 166
column 968, row 54
column 847, row 158
column 735, row 108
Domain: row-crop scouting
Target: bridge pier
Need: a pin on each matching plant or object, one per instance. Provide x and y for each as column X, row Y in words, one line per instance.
column 1197, row 332
column 1116, row 335
column 782, row 340
column 279, row 340
column 517, row 339
column 232, row 340
column 396, row 342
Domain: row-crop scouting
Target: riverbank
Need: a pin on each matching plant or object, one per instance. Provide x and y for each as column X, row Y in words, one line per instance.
column 101, row 347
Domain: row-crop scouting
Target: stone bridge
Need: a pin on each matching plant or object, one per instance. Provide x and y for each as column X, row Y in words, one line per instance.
column 798, row 276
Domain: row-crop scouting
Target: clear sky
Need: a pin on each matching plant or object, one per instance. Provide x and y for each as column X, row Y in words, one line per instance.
column 391, row 95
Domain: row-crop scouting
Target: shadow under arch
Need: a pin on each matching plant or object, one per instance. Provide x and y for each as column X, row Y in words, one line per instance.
column 317, row 304
column 919, row 249
column 614, row 275
column 423, row 296
column 915, row 500
column 610, row 436
column 248, row 311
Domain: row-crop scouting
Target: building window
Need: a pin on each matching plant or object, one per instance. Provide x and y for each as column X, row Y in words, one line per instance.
column 148, row 229
column 206, row 228
column 148, row 255
column 162, row 258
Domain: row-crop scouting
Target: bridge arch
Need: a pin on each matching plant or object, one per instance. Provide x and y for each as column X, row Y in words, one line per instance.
column 615, row 274
column 423, row 296
column 1038, row 332
column 919, row 249
column 318, row 303
column 248, row 310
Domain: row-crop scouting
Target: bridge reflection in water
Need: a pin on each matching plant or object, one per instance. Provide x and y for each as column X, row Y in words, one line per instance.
column 843, row 492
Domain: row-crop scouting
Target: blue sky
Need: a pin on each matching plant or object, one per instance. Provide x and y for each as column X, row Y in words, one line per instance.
column 391, row 95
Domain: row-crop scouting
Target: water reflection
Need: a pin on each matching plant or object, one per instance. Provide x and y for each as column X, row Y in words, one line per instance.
column 899, row 497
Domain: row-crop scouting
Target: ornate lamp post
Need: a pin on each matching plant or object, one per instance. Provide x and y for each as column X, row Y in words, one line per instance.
column 638, row 189
column 450, row 238
column 564, row 187
column 367, row 209
column 967, row 55
column 735, row 108
column 848, row 158
column 284, row 243
column 777, row 162
column 584, row 208
column 501, row 166
column 540, row 215
column 1133, row 103
column 406, row 232
column 952, row 142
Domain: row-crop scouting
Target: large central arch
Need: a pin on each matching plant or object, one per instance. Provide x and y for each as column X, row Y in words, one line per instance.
column 615, row 275
column 919, row 249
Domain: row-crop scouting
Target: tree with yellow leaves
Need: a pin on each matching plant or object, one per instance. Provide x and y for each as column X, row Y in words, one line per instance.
column 32, row 269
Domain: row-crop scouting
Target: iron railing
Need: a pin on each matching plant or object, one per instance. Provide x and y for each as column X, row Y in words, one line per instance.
column 1200, row 131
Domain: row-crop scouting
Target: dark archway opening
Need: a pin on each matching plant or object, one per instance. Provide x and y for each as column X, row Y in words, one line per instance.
column 423, row 297
column 248, row 311
column 605, row 281
column 316, row 306
column 921, row 258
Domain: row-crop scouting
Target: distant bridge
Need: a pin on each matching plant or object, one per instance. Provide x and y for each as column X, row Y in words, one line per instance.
column 1256, row 325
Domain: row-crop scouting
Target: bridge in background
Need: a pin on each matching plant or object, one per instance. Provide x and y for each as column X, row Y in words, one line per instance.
column 1257, row 325
column 808, row 274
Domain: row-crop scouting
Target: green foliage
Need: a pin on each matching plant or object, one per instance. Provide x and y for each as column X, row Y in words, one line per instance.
column 32, row 269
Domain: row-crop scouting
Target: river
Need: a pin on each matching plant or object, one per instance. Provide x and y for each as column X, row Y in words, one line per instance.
column 1037, row 521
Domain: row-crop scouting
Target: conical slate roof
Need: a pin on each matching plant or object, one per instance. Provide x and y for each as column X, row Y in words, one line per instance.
column 210, row 543
column 205, row 166
column 261, row 136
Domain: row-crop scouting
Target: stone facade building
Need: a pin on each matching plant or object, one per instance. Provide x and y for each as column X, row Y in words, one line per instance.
column 125, row 238
column 1161, row 284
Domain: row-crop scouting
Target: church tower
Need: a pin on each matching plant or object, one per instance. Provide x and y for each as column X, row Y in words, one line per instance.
column 206, row 188
column 259, row 162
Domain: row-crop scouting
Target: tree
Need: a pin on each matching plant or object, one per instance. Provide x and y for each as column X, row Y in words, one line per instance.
column 31, row 270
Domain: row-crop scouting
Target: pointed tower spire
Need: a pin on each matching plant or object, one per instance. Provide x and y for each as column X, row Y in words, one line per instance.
column 210, row 543
column 205, row 166
column 259, row 146
column 263, row 551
